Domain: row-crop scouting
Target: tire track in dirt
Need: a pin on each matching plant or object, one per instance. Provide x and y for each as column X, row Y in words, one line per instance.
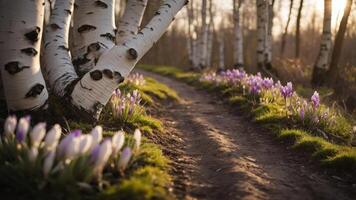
column 223, row 156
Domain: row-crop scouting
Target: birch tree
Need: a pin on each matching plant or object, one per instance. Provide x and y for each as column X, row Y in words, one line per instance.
column 238, row 36
column 221, row 52
column 21, row 27
column 211, row 31
column 94, row 48
column 204, row 36
column 322, row 61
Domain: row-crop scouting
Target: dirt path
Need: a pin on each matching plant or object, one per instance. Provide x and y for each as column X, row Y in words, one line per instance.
column 226, row 157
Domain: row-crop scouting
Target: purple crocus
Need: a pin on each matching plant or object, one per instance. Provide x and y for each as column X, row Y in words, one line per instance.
column 287, row 91
column 267, row 83
column 22, row 129
column 315, row 100
column 302, row 113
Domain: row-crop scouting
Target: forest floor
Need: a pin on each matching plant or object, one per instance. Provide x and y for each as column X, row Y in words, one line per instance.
column 221, row 155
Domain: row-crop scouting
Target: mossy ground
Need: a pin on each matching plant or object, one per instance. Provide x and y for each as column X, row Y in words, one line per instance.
column 337, row 156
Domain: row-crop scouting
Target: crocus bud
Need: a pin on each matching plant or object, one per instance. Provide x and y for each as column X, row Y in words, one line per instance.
column 103, row 154
column 137, row 137
column 118, row 141
column 124, row 158
column 65, row 142
column 32, row 154
column 97, row 134
column 22, row 129
column 48, row 163
column 52, row 137
column 37, row 134
column 72, row 148
column 85, row 143
column 10, row 126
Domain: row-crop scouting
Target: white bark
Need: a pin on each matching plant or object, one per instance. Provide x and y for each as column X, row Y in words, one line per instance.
column 221, row 52
column 130, row 22
column 21, row 26
column 238, row 36
column 323, row 59
column 94, row 25
column 57, row 59
column 261, row 31
column 96, row 87
column 269, row 40
column 210, row 34
column 204, row 36
column 190, row 16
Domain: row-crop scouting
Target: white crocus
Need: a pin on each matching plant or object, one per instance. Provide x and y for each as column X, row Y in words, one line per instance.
column 72, row 148
column 118, row 141
column 48, row 162
column 32, row 154
column 10, row 126
column 37, row 134
column 65, row 143
column 137, row 137
column 85, row 143
column 124, row 159
column 104, row 153
column 97, row 134
column 52, row 137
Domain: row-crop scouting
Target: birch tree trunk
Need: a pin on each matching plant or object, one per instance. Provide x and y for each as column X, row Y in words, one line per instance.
column 238, row 36
column 322, row 61
column 190, row 16
column 210, row 34
column 297, row 32
column 333, row 72
column 21, row 26
column 57, row 59
column 96, row 87
column 204, row 36
column 262, row 21
column 221, row 52
column 94, row 32
column 269, row 40
column 130, row 22
column 285, row 34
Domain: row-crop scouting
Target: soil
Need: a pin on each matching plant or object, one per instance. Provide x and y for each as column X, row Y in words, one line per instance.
column 218, row 154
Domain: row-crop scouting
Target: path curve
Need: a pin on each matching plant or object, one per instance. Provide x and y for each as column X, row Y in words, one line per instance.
column 226, row 157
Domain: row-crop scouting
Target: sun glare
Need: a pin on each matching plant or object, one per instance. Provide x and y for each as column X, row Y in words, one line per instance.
column 337, row 10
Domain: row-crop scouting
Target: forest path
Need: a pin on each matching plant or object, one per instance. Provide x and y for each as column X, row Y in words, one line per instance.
column 223, row 156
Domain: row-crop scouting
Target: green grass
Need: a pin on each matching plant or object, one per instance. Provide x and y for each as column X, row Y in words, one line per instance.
column 334, row 153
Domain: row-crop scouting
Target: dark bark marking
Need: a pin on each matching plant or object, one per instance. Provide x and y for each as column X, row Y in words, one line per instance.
column 80, row 61
column 93, row 47
column 118, row 77
column 85, row 28
column 29, row 51
column 14, row 67
column 63, row 47
column 69, row 12
column 55, row 26
column 108, row 73
column 101, row 4
column 32, row 36
column 96, row 75
column 35, row 90
column 108, row 36
column 132, row 54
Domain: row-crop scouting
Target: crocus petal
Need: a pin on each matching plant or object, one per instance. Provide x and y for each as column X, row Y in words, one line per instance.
column 85, row 143
column 10, row 126
column 72, row 148
column 48, row 163
column 32, row 154
column 137, row 137
column 118, row 141
column 97, row 134
column 37, row 134
column 52, row 137
column 22, row 129
column 124, row 158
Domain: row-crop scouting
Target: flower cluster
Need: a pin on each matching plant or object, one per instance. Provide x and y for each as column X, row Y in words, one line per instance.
column 56, row 154
column 126, row 106
column 310, row 113
column 136, row 79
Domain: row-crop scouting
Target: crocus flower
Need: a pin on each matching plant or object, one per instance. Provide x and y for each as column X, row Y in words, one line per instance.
column 137, row 138
column 85, row 143
column 287, row 91
column 118, row 141
column 97, row 134
column 267, row 83
column 66, row 142
column 22, row 129
column 72, row 148
column 315, row 100
column 10, row 126
column 48, row 162
column 124, row 158
column 37, row 134
column 102, row 156
column 52, row 137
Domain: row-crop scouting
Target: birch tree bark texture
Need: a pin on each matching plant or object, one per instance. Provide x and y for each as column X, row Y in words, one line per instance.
column 95, row 88
column 204, row 36
column 238, row 36
column 94, row 32
column 21, row 26
column 323, row 59
column 262, row 22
